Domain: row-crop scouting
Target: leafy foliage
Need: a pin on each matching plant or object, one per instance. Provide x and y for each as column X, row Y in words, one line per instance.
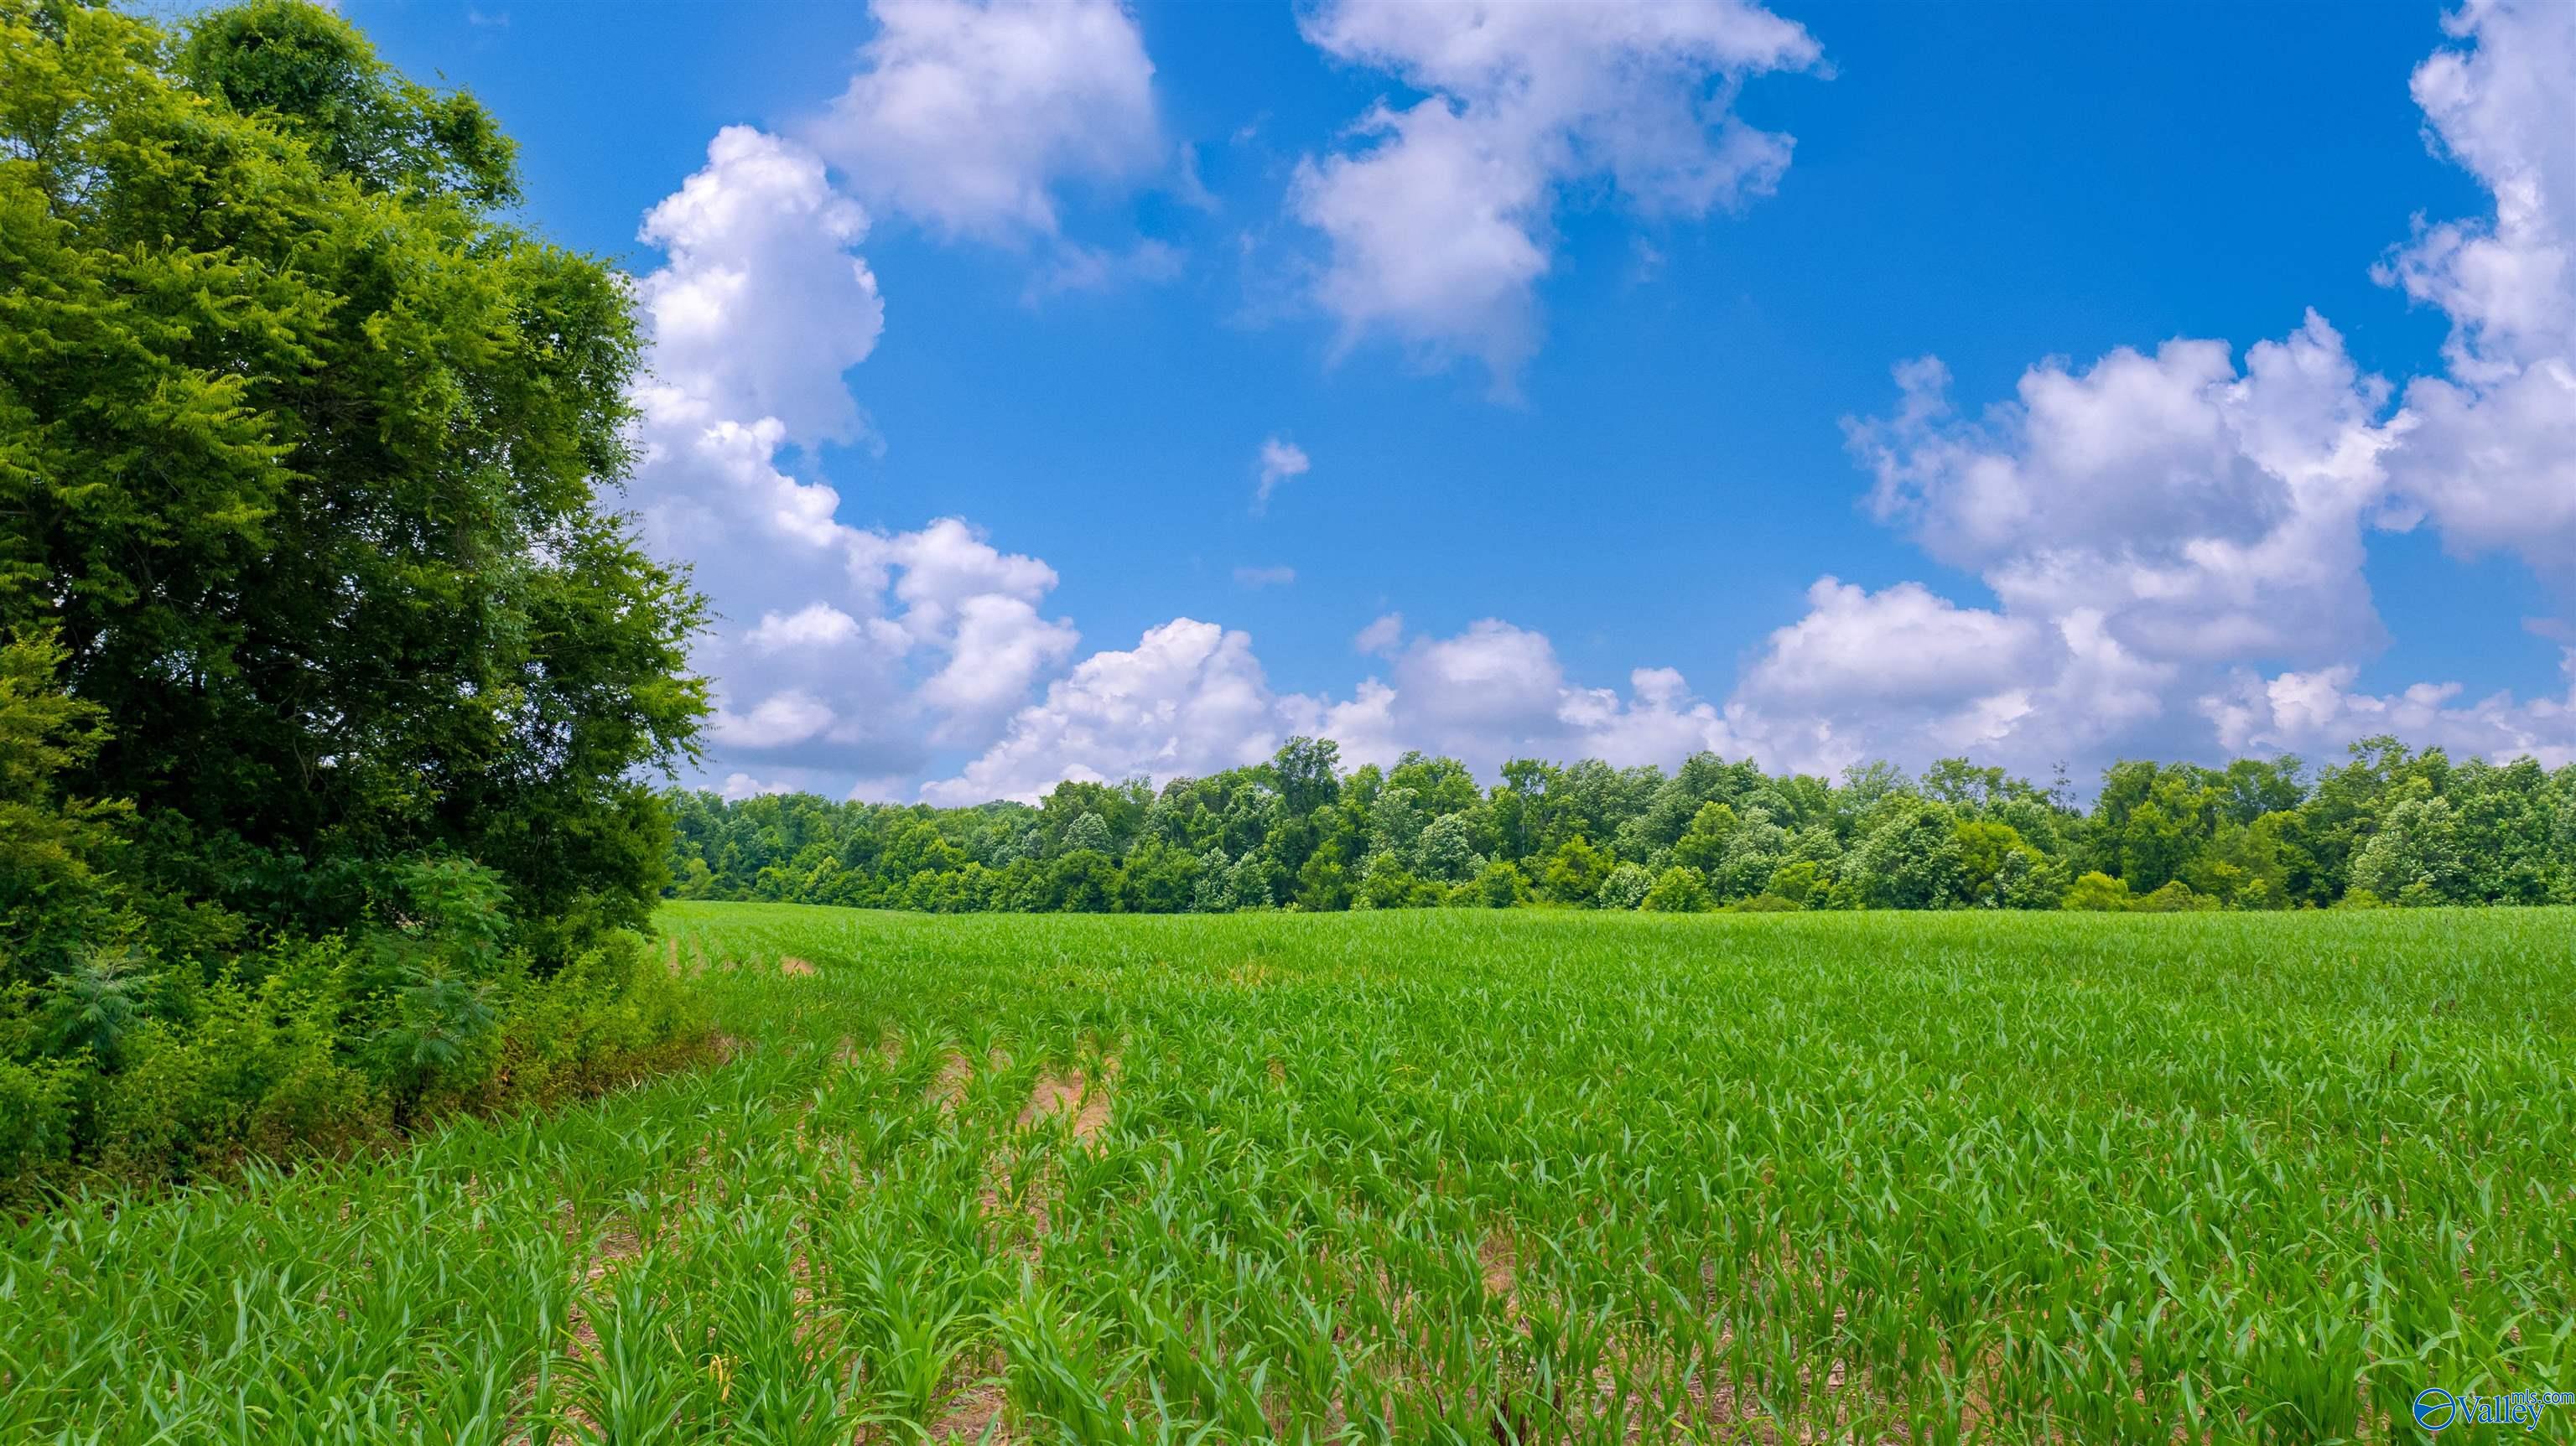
column 311, row 612
column 1296, row 832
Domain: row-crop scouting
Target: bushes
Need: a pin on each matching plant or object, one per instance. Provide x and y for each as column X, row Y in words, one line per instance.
column 2098, row 893
column 1626, row 887
column 329, row 1045
column 1679, row 891
column 35, row 1118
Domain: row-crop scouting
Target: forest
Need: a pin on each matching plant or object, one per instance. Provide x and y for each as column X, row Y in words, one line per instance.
column 2388, row 826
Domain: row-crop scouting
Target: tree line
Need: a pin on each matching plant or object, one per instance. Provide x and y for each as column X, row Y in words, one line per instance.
column 2388, row 826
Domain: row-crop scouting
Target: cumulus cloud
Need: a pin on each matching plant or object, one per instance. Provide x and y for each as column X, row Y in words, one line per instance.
column 869, row 647
column 2177, row 540
column 1191, row 698
column 968, row 115
column 1495, row 691
column 2490, row 450
column 1902, row 645
column 762, row 304
column 1279, row 461
column 2145, row 522
column 1438, row 220
column 1908, row 674
column 2318, row 710
column 740, row 786
column 999, row 648
column 758, row 310
column 780, row 719
column 815, row 625
column 2200, row 509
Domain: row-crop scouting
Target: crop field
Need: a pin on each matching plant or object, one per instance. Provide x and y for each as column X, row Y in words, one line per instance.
column 1435, row 1176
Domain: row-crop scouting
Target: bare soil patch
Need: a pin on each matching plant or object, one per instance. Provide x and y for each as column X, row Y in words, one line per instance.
column 1072, row 1096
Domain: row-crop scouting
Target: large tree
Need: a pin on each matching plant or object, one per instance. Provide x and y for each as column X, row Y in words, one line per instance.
column 303, row 453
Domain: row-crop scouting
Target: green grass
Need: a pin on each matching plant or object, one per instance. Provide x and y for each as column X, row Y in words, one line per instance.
column 1424, row 1177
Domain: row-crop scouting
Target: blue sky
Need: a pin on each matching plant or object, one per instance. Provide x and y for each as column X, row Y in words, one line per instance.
column 1589, row 350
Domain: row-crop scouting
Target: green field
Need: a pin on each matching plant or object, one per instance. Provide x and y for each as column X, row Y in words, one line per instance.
column 1433, row 1176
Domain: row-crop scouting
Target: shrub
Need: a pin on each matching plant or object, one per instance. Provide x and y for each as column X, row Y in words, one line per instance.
column 1385, row 883
column 2099, row 893
column 1625, row 888
column 1679, row 891
column 1797, row 882
column 1501, row 885
column 1575, row 873
column 2175, row 897
column 35, row 1120
column 1910, row 858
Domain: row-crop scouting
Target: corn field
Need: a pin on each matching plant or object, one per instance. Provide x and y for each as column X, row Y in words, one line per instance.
column 1441, row 1176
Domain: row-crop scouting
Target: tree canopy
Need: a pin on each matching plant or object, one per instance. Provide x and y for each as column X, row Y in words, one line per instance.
column 301, row 456
column 332, row 687
column 2388, row 826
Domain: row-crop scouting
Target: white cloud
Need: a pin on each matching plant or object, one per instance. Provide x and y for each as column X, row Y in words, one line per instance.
column 1382, row 636
column 738, row 786
column 1902, row 645
column 870, row 647
column 1279, row 461
column 1440, row 221
column 2504, row 107
column 2146, row 522
column 816, row 625
column 1908, row 674
column 2172, row 530
column 1189, row 699
column 968, row 115
column 943, row 565
column 2495, row 466
column 776, row 721
column 924, row 638
column 1261, row 577
column 2490, row 450
column 2200, row 510
column 1493, row 677
column 1001, row 646
column 762, row 306
column 1496, row 691
column 2315, row 711
column 1192, row 698
column 1660, row 723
